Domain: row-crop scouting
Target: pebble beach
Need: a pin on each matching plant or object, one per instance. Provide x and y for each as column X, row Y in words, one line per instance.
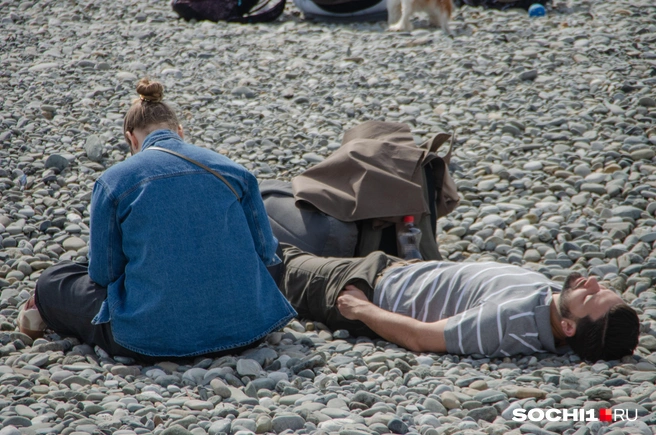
column 555, row 161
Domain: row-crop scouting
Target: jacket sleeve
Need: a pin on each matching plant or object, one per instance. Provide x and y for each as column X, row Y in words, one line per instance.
column 258, row 223
column 106, row 259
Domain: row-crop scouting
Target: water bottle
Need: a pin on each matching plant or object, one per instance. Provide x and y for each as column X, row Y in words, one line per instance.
column 409, row 239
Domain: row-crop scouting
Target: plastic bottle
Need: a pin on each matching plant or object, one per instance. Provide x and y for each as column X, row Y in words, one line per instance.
column 537, row 10
column 409, row 239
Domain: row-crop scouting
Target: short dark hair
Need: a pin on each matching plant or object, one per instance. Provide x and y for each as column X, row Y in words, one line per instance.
column 611, row 337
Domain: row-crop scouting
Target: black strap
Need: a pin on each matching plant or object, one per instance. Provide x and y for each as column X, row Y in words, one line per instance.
column 200, row 165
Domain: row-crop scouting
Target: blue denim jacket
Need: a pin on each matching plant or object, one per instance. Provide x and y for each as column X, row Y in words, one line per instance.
column 184, row 262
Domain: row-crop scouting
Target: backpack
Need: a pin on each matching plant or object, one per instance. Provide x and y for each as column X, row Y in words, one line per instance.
column 238, row 11
column 296, row 217
column 320, row 234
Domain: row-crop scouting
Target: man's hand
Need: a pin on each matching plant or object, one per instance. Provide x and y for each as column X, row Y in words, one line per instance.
column 397, row 328
column 351, row 301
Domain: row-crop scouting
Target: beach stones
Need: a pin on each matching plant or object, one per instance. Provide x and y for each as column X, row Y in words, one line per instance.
column 553, row 157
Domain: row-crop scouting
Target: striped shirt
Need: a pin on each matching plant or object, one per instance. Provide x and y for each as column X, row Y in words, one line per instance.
column 494, row 309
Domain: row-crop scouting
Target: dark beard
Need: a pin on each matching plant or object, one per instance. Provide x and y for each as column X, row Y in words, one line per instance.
column 563, row 305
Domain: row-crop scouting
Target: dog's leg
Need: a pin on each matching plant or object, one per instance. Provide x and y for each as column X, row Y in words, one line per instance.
column 434, row 15
column 444, row 24
column 437, row 17
column 393, row 12
column 404, row 23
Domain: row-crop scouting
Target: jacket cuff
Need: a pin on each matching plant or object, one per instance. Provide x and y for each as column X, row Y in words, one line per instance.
column 103, row 315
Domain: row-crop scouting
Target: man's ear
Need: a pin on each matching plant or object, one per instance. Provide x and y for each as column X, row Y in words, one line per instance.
column 568, row 326
column 180, row 132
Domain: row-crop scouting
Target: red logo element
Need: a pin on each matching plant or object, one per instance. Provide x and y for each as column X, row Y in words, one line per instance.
column 605, row 415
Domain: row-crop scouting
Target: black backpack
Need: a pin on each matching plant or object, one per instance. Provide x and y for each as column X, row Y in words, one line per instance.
column 238, row 11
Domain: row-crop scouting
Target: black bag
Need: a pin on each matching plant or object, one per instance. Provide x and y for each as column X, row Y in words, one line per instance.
column 239, row 11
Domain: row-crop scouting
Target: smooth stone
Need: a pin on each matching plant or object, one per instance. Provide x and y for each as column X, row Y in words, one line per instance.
column 60, row 375
column 248, row 367
column 220, row 388
column 75, row 379
column 10, row 430
column 313, row 158
column 528, row 75
column 434, row 406
column 243, row 91
column 43, row 66
column 17, row 421
column 627, row 211
column 593, row 188
column 126, row 76
column 124, row 371
column 219, row 427
column 487, row 413
column 74, row 244
column 643, row 377
column 449, row 400
column 198, row 405
column 490, row 396
column 643, row 154
column 94, row 148
column 283, row 422
column 533, row 166
column 57, row 162
column 647, row 102
column 397, row 426
column 176, row 429
column 600, row 393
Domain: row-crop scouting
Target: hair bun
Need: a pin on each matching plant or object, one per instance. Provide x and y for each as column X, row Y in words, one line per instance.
column 152, row 91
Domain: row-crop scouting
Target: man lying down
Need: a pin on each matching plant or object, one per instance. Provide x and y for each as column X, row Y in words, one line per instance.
column 485, row 308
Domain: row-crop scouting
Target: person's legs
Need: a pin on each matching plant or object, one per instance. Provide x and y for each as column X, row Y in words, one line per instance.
column 312, row 284
column 68, row 300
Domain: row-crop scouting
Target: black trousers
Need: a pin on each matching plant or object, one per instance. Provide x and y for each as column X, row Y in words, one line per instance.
column 68, row 300
column 312, row 284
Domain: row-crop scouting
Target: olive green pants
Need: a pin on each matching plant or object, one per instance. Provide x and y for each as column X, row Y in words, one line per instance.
column 312, row 284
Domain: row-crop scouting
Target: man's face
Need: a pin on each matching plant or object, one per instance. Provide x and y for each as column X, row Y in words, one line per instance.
column 583, row 297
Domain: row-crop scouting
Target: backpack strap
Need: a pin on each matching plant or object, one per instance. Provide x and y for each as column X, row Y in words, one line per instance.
column 200, row 165
column 264, row 11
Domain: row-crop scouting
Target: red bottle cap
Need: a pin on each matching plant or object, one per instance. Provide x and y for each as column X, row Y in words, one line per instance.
column 408, row 219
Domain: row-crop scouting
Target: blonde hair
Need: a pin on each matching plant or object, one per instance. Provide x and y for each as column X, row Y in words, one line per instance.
column 149, row 110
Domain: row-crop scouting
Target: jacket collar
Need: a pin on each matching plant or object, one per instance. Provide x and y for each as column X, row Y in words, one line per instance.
column 158, row 136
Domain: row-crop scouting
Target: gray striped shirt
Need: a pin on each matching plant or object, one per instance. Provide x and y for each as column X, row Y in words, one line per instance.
column 494, row 309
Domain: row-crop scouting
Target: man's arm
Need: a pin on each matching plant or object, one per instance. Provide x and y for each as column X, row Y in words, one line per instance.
column 405, row 331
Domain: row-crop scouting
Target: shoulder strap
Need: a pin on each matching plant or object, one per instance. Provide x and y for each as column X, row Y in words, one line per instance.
column 263, row 11
column 200, row 165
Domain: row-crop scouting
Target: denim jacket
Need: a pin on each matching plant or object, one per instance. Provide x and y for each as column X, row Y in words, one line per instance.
column 184, row 262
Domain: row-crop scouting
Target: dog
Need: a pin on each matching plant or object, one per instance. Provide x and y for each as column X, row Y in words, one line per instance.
column 400, row 11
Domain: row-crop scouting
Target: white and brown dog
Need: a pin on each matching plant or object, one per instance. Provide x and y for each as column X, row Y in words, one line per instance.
column 400, row 12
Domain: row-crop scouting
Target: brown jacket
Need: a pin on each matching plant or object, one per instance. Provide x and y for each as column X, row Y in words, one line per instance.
column 377, row 176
